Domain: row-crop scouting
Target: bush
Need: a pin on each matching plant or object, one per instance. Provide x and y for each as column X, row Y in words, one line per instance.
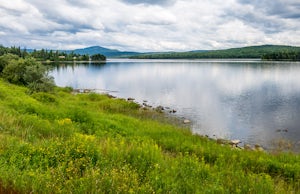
column 30, row 73
column 44, row 97
column 14, row 72
column 5, row 59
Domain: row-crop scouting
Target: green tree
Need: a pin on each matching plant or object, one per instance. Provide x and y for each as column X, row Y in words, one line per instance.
column 5, row 59
column 30, row 73
column 14, row 72
column 98, row 57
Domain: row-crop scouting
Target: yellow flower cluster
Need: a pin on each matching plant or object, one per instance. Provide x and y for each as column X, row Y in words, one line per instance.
column 65, row 121
column 84, row 137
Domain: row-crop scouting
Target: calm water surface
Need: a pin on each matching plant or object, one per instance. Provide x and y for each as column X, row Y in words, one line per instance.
column 256, row 102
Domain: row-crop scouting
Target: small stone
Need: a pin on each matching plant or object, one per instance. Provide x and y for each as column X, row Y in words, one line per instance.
column 247, row 147
column 222, row 141
column 235, row 142
column 159, row 109
column 110, row 96
column 173, row 111
column 130, row 99
column 258, row 148
column 186, row 121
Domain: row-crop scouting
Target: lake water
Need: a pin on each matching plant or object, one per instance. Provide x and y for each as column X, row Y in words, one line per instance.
column 254, row 101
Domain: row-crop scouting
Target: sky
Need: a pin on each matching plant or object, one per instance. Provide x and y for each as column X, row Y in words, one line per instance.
column 145, row 25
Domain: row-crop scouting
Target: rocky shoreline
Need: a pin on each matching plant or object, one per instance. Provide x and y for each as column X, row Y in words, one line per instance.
column 234, row 144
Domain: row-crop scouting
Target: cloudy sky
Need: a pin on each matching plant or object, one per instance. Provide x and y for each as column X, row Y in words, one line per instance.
column 149, row 25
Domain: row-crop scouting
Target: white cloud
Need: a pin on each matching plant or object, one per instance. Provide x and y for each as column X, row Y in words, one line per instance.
column 148, row 25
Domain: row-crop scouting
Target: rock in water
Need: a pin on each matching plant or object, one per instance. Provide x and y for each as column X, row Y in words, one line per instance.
column 186, row 121
column 235, row 142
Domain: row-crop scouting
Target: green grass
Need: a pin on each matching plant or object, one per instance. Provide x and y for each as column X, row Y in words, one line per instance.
column 88, row 143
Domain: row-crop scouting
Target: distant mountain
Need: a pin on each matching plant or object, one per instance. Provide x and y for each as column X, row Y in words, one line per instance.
column 244, row 52
column 104, row 51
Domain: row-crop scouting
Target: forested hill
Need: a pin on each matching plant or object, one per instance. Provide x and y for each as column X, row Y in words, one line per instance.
column 244, row 52
column 105, row 51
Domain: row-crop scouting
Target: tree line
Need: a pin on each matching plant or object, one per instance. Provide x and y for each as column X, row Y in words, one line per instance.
column 265, row 52
column 17, row 66
column 50, row 55
column 282, row 56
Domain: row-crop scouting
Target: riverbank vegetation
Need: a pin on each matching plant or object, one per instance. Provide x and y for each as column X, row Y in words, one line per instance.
column 264, row 52
column 60, row 142
column 26, row 72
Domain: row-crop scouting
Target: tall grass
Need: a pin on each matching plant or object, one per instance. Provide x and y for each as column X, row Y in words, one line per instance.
column 88, row 143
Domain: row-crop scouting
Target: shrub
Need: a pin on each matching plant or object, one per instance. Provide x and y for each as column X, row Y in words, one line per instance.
column 5, row 59
column 30, row 73
column 14, row 72
column 44, row 97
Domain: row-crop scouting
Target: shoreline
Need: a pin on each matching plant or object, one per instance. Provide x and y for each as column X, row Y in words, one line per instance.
column 184, row 122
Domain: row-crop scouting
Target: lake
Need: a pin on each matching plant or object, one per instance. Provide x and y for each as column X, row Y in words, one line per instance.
column 250, row 100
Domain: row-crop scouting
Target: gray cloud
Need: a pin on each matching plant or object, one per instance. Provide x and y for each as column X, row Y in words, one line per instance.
column 281, row 8
column 270, row 17
column 159, row 25
column 150, row 2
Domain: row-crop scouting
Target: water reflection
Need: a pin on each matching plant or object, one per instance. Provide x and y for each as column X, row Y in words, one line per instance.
column 249, row 100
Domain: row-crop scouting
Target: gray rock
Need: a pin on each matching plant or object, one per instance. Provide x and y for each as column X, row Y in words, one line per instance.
column 247, row 147
column 235, row 142
column 159, row 109
column 223, row 141
column 186, row 121
column 258, row 148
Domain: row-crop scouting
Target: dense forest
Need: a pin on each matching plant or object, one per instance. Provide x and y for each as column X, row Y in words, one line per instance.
column 266, row 52
column 50, row 55
column 285, row 55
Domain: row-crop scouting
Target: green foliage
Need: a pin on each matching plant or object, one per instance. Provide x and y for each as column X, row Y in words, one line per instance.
column 284, row 55
column 263, row 52
column 14, row 72
column 13, row 50
column 27, row 72
column 90, row 143
column 44, row 97
column 49, row 55
column 5, row 59
column 45, row 55
column 98, row 57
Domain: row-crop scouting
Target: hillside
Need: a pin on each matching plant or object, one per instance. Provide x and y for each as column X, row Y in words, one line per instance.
column 104, row 51
column 245, row 52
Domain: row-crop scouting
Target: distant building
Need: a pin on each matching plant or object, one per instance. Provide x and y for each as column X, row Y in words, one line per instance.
column 62, row 57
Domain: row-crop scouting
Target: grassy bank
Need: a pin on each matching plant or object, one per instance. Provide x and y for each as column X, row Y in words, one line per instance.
column 88, row 143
